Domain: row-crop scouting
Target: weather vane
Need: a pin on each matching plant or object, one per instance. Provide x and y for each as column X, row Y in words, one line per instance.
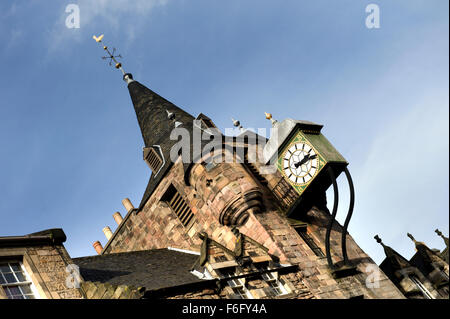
column 111, row 56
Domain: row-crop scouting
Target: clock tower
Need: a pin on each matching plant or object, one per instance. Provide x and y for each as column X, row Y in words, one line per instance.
column 310, row 164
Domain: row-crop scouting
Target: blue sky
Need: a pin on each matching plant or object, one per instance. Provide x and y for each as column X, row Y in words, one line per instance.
column 71, row 148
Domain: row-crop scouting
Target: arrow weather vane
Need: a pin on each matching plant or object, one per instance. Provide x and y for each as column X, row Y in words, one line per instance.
column 111, row 56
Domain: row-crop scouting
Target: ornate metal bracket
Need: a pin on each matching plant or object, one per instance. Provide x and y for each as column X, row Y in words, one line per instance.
column 349, row 215
column 333, row 217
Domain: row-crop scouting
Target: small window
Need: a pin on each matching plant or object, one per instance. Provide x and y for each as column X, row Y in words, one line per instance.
column 421, row 287
column 311, row 243
column 276, row 288
column 237, row 284
column 207, row 123
column 220, row 258
column 240, row 293
column 285, row 193
column 15, row 281
column 179, row 206
column 153, row 159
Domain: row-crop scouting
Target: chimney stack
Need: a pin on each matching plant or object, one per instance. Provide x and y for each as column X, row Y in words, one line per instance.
column 98, row 247
column 118, row 218
column 127, row 204
column 107, row 231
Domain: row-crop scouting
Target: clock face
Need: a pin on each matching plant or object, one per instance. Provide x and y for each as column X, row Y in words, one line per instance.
column 300, row 163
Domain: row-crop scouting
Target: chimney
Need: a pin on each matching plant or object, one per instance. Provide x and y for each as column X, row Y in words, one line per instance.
column 127, row 204
column 118, row 218
column 98, row 247
column 107, row 231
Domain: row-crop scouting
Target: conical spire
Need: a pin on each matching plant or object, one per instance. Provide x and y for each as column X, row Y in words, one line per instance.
column 396, row 260
column 424, row 250
column 157, row 117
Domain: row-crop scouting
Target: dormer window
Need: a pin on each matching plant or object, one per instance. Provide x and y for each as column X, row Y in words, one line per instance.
column 153, row 158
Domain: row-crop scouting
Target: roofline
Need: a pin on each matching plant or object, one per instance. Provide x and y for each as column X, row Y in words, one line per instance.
column 54, row 236
column 210, row 283
column 127, row 216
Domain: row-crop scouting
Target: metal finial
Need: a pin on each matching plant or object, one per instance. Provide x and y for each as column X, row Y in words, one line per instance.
column 111, row 56
column 170, row 115
column 437, row 231
column 378, row 239
column 411, row 236
column 237, row 124
column 269, row 117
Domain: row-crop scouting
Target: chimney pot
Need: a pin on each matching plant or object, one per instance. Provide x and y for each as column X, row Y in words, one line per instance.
column 107, row 231
column 127, row 204
column 98, row 247
column 118, row 218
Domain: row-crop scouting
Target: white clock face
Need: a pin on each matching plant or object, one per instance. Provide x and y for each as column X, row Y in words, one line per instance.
column 300, row 163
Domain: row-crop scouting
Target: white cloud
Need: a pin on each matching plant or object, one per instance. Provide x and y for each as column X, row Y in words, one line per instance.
column 110, row 15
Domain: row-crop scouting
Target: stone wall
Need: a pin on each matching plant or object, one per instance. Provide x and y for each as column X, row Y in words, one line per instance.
column 97, row 290
column 212, row 189
column 46, row 266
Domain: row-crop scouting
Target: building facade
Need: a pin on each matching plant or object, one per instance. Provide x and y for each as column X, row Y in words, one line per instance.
column 211, row 227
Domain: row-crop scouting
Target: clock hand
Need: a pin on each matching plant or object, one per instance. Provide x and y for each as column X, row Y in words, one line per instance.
column 302, row 161
column 305, row 160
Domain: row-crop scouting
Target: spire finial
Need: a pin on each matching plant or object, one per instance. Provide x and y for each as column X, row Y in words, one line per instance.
column 237, row 124
column 170, row 115
column 411, row 236
column 269, row 117
column 112, row 58
column 378, row 239
column 442, row 236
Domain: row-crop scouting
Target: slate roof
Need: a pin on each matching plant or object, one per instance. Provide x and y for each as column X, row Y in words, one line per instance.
column 151, row 269
column 151, row 112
